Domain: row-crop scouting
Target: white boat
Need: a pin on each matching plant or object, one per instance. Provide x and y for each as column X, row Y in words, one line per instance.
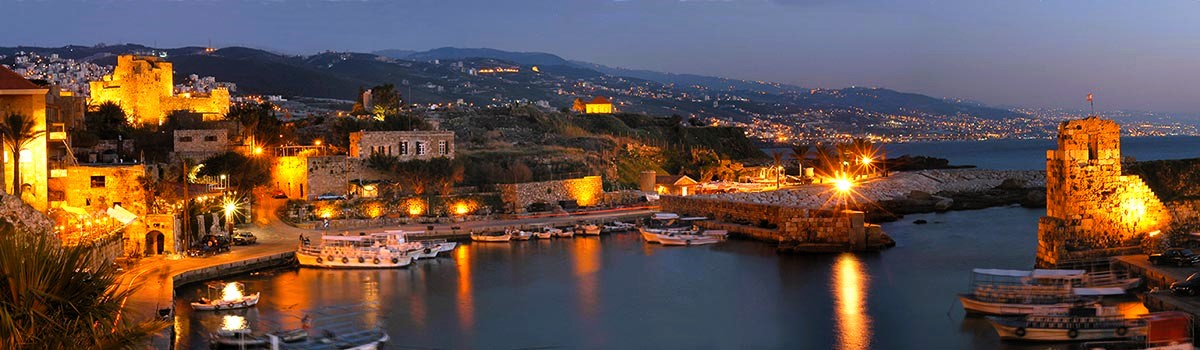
column 543, row 234
column 649, row 235
column 362, row 251
column 225, row 296
column 1069, row 278
column 443, row 246
column 1099, row 323
column 491, row 237
column 686, row 239
column 617, row 226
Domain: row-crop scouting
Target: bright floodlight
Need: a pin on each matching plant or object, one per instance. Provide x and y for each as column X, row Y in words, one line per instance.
column 842, row 185
column 866, row 160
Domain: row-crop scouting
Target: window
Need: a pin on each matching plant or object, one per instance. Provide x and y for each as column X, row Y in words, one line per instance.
column 420, row 148
column 185, row 139
column 404, row 148
column 443, row 147
column 98, row 181
column 210, row 139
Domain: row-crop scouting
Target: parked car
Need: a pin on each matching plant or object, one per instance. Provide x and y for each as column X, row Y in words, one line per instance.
column 279, row 195
column 1175, row 256
column 209, row 245
column 330, row 196
column 1187, row 286
column 243, row 238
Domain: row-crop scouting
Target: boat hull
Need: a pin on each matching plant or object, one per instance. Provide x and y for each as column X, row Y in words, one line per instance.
column 543, row 235
column 245, row 302
column 1014, row 332
column 388, row 262
column 487, row 238
column 977, row 307
column 687, row 240
column 649, row 236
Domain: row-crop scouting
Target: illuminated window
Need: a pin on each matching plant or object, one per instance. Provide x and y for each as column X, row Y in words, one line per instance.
column 443, row 147
column 98, row 181
column 420, row 148
column 404, row 148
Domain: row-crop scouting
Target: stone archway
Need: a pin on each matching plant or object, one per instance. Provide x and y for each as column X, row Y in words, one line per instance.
column 155, row 242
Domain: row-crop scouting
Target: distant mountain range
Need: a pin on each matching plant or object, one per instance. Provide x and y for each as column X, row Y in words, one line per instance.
column 340, row 75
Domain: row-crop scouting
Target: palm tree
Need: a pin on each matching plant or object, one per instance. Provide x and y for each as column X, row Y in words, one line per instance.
column 800, row 153
column 777, row 156
column 55, row 297
column 17, row 130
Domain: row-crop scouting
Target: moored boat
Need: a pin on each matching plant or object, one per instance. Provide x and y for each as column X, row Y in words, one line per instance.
column 588, row 230
column 231, row 296
column 491, row 237
column 520, row 235
column 686, row 239
column 356, row 252
column 558, row 232
column 1098, row 323
column 543, row 234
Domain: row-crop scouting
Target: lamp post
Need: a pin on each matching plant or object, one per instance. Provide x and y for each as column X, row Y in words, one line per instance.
column 230, row 209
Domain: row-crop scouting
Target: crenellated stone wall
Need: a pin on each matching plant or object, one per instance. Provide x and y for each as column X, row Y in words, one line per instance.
column 586, row 191
column 1090, row 205
column 144, row 87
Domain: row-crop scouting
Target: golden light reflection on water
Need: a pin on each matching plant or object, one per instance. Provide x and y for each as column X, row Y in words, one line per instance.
column 587, row 261
column 849, row 290
column 233, row 322
column 466, row 303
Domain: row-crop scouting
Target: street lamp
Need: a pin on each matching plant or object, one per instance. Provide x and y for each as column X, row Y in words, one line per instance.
column 230, row 209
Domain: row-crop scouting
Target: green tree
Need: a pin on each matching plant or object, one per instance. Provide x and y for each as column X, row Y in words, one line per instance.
column 54, row 297
column 17, row 130
column 243, row 173
column 106, row 120
column 386, row 101
column 382, row 162
column 257, row 122
column 445, row 173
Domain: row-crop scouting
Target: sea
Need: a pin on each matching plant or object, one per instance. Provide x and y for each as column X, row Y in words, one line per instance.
column 617, row 292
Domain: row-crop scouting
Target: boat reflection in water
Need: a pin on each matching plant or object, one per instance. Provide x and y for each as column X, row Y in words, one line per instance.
column 849, row 287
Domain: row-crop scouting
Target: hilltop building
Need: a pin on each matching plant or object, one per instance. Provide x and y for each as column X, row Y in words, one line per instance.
column 407, row 145
column 200, row 144
column 675, row 185
column 21, row 96
column 598, row 105
column 144, row 87
column 1092, row 210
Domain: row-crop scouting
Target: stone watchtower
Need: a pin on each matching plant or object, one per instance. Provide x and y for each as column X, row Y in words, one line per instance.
column 1092, row 210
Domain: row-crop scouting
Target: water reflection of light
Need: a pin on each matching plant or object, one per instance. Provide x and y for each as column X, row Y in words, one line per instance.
column 371, row 297
column 466, row 305
column 231, row 292
column 233, row 323
column 849, row 289
column 586, row 256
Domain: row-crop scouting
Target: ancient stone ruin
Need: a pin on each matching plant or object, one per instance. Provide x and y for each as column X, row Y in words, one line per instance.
column 1092, row 210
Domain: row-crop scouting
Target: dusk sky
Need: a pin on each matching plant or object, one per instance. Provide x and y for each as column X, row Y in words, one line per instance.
column 1142, row 55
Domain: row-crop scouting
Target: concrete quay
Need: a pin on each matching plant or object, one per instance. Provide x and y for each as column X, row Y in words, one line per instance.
column 1161, row 277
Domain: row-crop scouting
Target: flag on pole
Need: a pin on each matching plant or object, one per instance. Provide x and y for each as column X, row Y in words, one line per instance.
column 1089, row 97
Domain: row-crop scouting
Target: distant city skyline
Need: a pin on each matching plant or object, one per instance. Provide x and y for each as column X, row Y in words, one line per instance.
column 1136, row 56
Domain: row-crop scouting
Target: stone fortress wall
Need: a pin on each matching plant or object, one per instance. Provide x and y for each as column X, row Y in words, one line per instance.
column 144, row 87
column 586, row 191
column 1092, row 210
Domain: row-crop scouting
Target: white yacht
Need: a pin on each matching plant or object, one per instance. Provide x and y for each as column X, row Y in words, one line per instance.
column 354, row 252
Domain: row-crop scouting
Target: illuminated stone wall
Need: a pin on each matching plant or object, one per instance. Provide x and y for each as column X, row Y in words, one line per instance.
column 33, row 165
column 392, row 143
column 119, row 185
column 587, row 191
column 1091, row 208
column 290, row 175
column 144, row 87
column 199, row 144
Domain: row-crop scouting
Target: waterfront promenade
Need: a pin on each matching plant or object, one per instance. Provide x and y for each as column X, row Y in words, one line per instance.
column 153, row 276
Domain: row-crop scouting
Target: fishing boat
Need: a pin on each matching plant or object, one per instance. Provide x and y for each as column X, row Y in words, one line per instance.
column 673, row 238
column 225, row 296
column 588, row 230
column 1092, row 323
column 491, row 237
column 670, row 229
column 363, row 251
column 563, row 233
column 617, row 226
column 244, row 338
column 543, row 234
column 520, row 235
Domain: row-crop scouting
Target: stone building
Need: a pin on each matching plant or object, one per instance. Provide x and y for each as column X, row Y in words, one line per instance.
column 199, row 144
column 1092, row 210
column 21, row 96
column 306, row 177
column 407, row 145
column 598, row 105
column 678, row 185
column 144, row 87
column 97, row 189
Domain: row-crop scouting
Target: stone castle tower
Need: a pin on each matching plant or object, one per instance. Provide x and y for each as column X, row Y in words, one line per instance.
column 144, row 87
column 1092, row 210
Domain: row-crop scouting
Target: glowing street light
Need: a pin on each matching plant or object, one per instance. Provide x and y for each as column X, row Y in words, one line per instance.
column 258, row 151
column 866, row 160
column 842, row 185
column 231, row 207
